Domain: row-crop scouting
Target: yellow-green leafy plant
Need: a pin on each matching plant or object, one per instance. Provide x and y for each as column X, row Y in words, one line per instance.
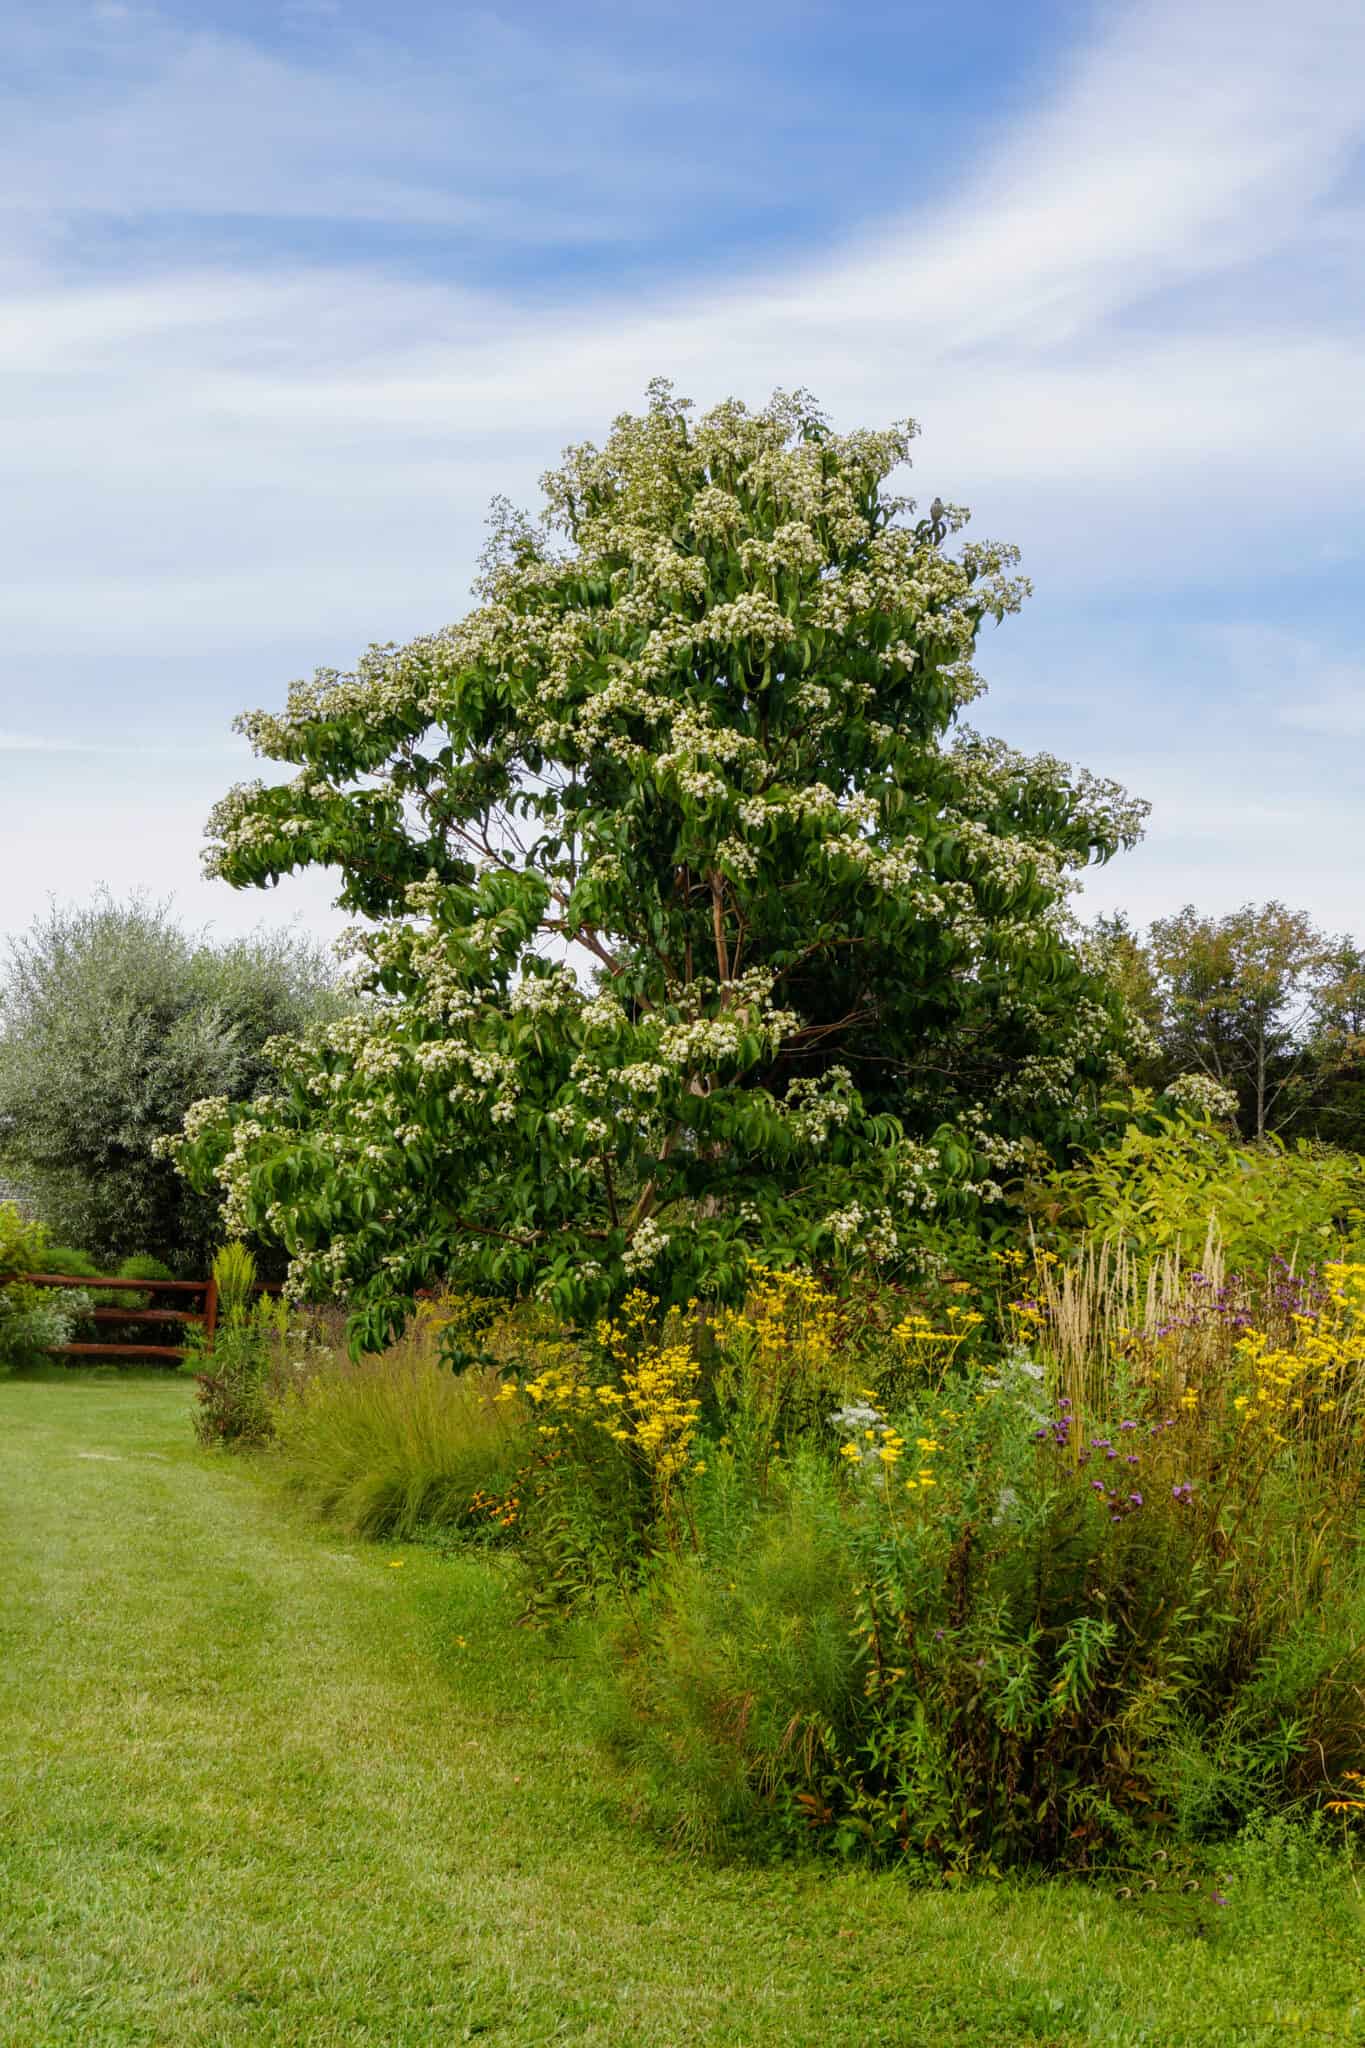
column 232, row 1366
column 33, row 1320
column 234, row 1276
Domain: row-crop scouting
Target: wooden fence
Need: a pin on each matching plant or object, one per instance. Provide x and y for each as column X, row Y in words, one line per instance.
column 205, row 1313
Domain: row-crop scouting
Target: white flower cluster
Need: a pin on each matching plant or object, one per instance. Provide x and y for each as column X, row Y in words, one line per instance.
column 646, row 1244
column 845, row 1224
column 1203, row 1097
column 815, row 1105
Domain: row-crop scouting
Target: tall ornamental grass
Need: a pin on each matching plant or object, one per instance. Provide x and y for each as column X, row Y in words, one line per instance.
column 393, row 1444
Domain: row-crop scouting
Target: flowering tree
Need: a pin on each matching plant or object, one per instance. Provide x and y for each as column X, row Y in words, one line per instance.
column 697, row 923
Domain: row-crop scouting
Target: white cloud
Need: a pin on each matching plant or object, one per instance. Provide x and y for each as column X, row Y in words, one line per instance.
column 1102, row 332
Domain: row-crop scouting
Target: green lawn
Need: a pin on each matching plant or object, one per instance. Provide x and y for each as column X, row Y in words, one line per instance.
column 258, row 1786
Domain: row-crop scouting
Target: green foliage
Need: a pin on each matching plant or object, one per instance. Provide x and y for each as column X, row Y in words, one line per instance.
column 397, row 1445
column 234, row 1276
column 142, row 1266
column 1159, row 1184
column 112, row 1022
column 1236, row 992
column 23, row 1243
column 1027, row 1665
column 1260, row 1004
column 231, row 1377
column 33, row 1320
column 718, row 1684
column 69, row 1259
column 703, row 733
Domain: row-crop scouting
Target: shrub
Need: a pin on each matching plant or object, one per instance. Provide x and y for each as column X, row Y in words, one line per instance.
column 1158, row 1186
column 1028, row 1650
column 233, row 1409
column 114, row 1022
column 23, row 1243
column 139, row 1266
column 33, row 1320
column 65, row 1258
column 394, row 1444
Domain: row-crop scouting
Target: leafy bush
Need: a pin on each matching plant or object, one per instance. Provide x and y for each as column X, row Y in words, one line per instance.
column 23, row 1243
column 113, row 1022
column 142, row 1266
column 138, row 1266
column 33, row 1320
column 1157, row 1187
column 65, row 1258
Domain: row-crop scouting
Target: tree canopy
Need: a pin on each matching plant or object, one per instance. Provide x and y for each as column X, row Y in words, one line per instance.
column 113, row 1021
column 1261, row 1001
column 698, row 923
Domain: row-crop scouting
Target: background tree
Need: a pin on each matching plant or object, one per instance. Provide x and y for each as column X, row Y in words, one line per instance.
column 112, row 1022
column 700, row 926
column 1237, row 996
column 1113, row 947
column 1329, row 1091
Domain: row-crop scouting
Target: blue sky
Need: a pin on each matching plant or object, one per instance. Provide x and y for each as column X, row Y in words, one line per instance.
column 292, row 289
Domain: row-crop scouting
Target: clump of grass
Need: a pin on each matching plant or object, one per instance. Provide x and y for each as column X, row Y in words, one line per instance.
column 391, row 1444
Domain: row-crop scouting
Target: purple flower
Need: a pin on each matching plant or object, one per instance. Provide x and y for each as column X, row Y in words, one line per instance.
column 1218, row 1899
column 1136, row 1499
column 1127, row 1425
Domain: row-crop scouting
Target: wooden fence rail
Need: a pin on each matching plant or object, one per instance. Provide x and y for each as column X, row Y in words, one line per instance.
column 205, row 1314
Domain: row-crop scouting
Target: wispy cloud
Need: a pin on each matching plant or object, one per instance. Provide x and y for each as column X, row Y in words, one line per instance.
column 48, row 743
column 1127, row 324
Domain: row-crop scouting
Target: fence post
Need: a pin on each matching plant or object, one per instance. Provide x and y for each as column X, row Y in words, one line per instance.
column 210, row 1312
